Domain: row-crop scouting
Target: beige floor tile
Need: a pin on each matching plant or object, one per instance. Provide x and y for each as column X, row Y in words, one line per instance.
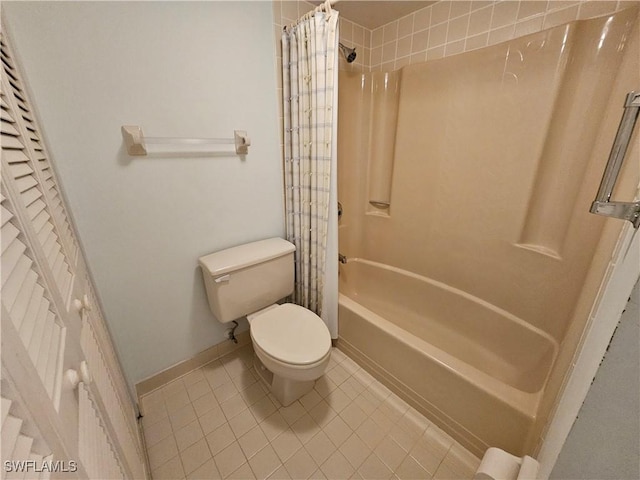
column 429, row 459
column 197, row 390
column 229, row 459
column 242, row 423
column 262, row 408
column 212, row 420
column 220, row 438
column 373, row 468
column 280, row 474
column 253, row 441
column 338, row 400
column 265, row 462
column 253, row 394
column 390, row 453
column 194, row 456
column 305, row 428
column 162, row 452
column 245, row 380
column 318, row 475
column 205, row 403
column 322, row 413
column 274, row 425
column 461, row 461
column 215, row 374
column 188, row 435
column 310, row 400
column 225, row 392
column 233, row 406
column 370, row 433
column 152, row 399
column 338, row 431
column 301, row 465
column 324, row 386
column 409, row 469
column 320, row 447
column 169, row 470
column 355, row 451
column 353, row 415
column 182, row 417
column 292, row 412
column 206, row 471
column 219, row 421
column 155, row 415
column 286, row 444
column 158, row 431
column 337, row 466
column 242, row 473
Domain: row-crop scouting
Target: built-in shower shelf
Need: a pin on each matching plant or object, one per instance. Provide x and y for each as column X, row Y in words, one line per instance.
column 139, row 145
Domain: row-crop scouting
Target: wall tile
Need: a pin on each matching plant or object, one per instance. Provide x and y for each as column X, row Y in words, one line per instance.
column 480, row 21
column 390, row 32
column 477, row 41
column 501, row 34
column 404, row 47
column 530, row 8
column 440, row 12
column 460, row 8
column 435, row 53
column 389, row 52
column 453, row 48
column 457, row 29
column 346, row 31
column 504, row 13
column 376, row 37
column 420, row 41
column 527, row 26
column 559, row 17
column 437, row 35
column 592, row 9
column 422, row 19
column 405, row 26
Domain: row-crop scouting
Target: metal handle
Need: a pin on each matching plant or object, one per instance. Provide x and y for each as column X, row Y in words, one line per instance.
column 603, row 205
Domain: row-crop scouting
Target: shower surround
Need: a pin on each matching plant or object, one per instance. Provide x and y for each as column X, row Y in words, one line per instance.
column 468, row 293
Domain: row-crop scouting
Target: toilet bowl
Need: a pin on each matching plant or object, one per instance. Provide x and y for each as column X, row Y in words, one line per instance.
column 294, row 345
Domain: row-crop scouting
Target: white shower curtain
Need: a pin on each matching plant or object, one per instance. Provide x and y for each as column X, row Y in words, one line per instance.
column 310, row 95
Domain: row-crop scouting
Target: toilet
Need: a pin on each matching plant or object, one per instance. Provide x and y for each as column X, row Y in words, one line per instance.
column 292, row 345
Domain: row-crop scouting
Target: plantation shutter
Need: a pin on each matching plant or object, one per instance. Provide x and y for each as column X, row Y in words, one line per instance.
column 70, row 400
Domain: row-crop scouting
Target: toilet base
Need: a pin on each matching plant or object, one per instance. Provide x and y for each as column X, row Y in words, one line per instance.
column 285, row 390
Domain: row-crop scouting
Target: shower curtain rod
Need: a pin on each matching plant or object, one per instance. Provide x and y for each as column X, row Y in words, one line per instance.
column 323, row 7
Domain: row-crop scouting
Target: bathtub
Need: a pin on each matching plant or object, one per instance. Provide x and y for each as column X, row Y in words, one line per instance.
column 475, row 370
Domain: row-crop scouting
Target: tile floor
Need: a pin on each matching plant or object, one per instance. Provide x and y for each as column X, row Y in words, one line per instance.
column 219, row 421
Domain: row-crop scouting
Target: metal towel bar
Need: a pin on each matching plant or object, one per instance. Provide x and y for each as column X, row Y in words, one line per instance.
column 603, row 205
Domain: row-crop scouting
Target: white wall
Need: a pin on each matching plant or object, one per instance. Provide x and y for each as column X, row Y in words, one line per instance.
column 191, row 69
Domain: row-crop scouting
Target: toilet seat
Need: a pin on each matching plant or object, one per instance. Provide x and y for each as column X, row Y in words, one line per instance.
column 291, row 334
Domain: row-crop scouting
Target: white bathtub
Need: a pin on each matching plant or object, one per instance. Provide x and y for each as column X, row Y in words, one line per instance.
column 474, row 369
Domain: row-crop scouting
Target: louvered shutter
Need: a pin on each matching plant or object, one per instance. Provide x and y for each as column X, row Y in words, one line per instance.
column 96, row 450
column 26, row 299
column 48, row 328
column 21, row 440
column 124, row 430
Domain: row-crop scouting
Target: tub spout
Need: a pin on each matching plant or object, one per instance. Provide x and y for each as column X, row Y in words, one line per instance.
column 342, row 258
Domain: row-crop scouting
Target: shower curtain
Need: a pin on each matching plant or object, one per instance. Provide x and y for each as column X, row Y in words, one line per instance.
column 310, row 96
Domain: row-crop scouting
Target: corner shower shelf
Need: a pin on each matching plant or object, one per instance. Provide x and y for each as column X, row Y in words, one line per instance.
column 138, row 145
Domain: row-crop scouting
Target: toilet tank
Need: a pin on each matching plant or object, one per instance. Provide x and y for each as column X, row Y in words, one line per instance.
column 244, row 279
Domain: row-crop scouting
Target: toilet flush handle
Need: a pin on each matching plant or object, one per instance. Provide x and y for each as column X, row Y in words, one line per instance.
column 223, row 278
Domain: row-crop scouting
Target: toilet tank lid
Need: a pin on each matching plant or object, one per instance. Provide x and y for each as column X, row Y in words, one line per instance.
column 242, row 256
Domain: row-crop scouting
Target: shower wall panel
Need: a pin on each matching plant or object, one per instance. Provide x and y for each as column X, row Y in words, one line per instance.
column 493, row 173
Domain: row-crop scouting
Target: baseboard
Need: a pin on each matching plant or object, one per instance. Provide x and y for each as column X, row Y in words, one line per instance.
column 182, row 368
